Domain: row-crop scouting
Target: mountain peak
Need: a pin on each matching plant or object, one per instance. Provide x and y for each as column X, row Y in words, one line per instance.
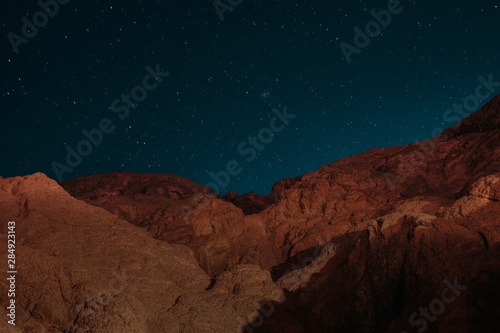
column 484, row 120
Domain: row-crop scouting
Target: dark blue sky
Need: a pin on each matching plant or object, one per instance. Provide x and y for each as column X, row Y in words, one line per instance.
column 225, row 79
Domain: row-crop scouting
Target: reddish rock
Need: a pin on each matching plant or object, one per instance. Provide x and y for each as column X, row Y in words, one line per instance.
column 176, row 210
column 249, row 203
column 358, row 245
column 82, row 269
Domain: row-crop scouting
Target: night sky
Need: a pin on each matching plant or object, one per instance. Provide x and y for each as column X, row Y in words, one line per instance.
column 225, row 79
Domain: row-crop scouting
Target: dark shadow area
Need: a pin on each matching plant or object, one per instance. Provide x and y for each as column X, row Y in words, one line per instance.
column 249, row 203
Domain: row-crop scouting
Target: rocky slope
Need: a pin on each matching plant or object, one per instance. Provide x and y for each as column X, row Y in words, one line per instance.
column 360, row 245
column 176, row 210
column 82, row 269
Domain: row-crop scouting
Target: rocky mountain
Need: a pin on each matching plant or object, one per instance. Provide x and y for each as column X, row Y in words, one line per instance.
column 83, row 269
column 404, row 239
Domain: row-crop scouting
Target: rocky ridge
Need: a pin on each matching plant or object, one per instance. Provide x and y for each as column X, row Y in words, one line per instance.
column 357, row 245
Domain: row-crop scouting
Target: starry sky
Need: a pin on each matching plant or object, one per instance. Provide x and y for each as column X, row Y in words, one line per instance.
column 230, row 69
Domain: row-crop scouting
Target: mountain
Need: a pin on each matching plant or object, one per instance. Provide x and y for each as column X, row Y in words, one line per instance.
column 402, row 239
column 83, row 269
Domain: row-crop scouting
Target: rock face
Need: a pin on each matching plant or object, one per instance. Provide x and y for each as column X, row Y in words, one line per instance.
column 403, row 239
column 82, row 269
column 249, row 203
column 176, row 210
